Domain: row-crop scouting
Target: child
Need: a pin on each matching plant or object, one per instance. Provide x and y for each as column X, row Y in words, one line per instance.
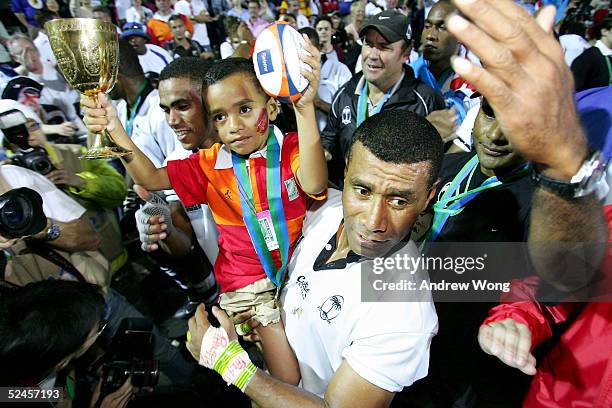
column 253, row 183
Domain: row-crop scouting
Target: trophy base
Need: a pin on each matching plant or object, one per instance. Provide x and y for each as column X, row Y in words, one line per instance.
column 105, row 153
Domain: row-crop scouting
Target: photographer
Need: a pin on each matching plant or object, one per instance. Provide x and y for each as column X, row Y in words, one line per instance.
column 93, row 183
column 39, row 343
column 34, row 255
column 61, row 125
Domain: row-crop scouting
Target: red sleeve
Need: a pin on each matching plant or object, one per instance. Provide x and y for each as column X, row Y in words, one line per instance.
column 520, row 305
column 188, row 180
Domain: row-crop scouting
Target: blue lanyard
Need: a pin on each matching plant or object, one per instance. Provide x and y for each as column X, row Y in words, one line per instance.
column 275, row 205
column 451, row 203
column 362, row 103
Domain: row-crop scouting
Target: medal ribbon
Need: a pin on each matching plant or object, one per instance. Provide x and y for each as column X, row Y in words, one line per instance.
column 452, row 203
column 362, row 103
column 275, row 205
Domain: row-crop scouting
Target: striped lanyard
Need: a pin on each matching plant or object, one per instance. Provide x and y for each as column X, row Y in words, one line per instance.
column 267, row 229
column 453, row 202
column 362, row 103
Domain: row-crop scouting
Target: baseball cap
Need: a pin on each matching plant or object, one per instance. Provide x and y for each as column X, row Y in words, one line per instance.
column 16, row 86
column 134, row 29
column 391, row 24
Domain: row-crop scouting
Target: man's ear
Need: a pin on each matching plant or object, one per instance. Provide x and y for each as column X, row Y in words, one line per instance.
column 406, row 54
column 272, row 108
column 432, row 194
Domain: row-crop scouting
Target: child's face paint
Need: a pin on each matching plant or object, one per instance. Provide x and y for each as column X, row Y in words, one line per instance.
column 262, row 121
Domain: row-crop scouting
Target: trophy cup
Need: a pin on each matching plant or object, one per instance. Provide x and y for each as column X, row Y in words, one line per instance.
column 87, row 53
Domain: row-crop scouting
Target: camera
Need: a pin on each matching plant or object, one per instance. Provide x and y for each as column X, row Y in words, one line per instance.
column 131, row 352
column 13, row 125
column 21, row 213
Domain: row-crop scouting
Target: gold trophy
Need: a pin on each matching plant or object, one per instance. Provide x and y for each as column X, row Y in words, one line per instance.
column 87, row 53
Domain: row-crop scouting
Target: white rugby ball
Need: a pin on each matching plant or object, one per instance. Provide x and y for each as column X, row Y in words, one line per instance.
column 277, row 62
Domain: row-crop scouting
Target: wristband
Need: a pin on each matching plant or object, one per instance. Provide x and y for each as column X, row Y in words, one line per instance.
column 226, row 357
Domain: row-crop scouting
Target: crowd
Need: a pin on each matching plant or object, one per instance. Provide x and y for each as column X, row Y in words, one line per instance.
column 224, row 259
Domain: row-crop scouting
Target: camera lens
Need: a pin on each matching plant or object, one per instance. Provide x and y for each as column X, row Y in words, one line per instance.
column 42, row 165
column 13, row 213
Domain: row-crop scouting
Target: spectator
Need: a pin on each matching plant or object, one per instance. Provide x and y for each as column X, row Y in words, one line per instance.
column 373, row 7
column 434, row 68
column 290, row 19
column 334, row 74
column 386, row 83
column 181, row 45
column 58, row 92
column 357, row 16
column 323, row 25
column 237, row 11
column 138, row 13
column 572, row 40
column 102, row 13
column 255, row 23
column 293, row 7
column 81, row 8
column 121, row 8
column 196, row 11
column 59, row 126
column 42, row 41
column 233, row 40
column 152, row 58
column 93, row 183
column 25, row 11
column 339, row 36
column 592, row 69
column 159, row 23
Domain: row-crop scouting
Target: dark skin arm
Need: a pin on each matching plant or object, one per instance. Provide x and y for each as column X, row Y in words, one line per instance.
column 524, row 67
column 77, row 235
column 346, row 388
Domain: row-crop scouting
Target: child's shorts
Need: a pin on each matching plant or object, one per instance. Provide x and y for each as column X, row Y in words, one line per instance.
column 259, row 296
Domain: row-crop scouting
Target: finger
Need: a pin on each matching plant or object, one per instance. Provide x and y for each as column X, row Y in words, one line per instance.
column 149, row 247
column 494, row 55
column 510, row 344
column 529, row 367
column 156, row 237
column 523, row 346
column 201, row 316
column 87, row 102
column 95, row 112
column 546, row 18
column 241, row 317
column 192, row 325
column 485, row 338
column 142, row 192
column 95, row 120
column 494, row 89
column 224, row 320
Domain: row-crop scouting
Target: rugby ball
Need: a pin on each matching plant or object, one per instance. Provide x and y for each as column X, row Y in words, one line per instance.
column 277, row 62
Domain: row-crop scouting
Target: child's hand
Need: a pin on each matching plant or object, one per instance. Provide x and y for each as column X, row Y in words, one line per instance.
column 312, row 58
column 101, row 115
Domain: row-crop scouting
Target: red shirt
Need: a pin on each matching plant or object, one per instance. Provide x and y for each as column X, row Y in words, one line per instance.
column 207, row 177
column 577, row 372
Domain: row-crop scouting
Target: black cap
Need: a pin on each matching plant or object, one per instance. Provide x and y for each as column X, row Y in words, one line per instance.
column 17, row 85
column 391, row 24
